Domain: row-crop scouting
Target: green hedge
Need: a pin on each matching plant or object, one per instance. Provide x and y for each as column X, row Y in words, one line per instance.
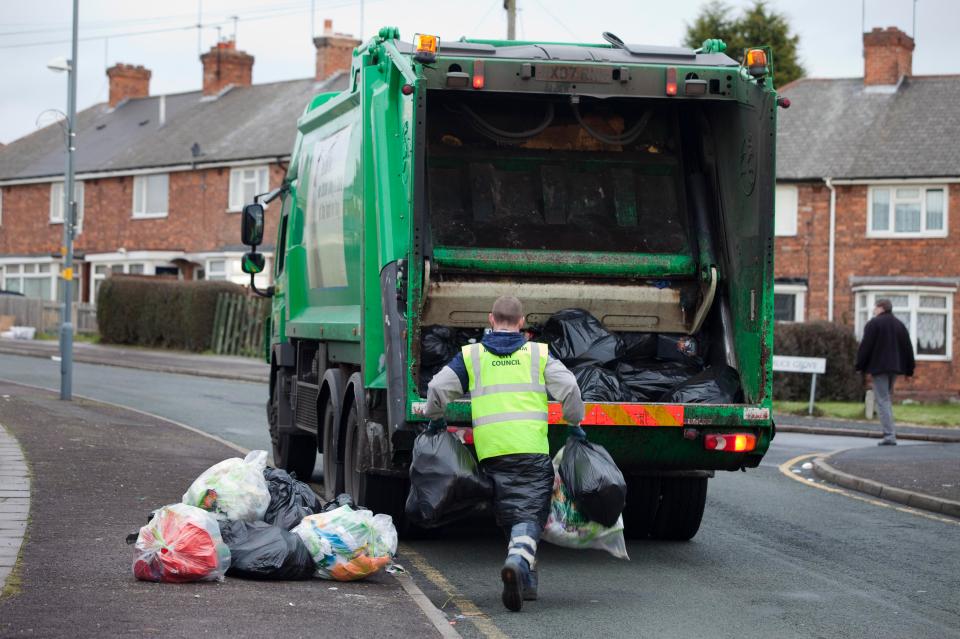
column 156, row 312
column 818, row 339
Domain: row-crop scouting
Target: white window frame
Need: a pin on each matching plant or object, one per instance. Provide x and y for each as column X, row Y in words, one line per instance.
column 56, row 203
column 148, row 260
column 891, row 219
column 218, row 275
column 20, row 264
column 865, row 299
column 261, row 176
column 799, row 291
column 139, row 193
column 786, row 205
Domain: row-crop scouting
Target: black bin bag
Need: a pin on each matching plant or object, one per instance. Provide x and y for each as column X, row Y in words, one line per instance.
column 259, row 550
column 576, row 337
column 599, row 384
column 714, row 385
column 290, row 499
column 593, row 480
column 446, row 482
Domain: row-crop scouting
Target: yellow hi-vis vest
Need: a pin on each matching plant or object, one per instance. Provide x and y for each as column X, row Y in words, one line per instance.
column 508, row 400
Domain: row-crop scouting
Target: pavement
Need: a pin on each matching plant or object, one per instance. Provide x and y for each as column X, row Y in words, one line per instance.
column 96, row 472
column 165, row 361
column 14, row 503
column 862, row 428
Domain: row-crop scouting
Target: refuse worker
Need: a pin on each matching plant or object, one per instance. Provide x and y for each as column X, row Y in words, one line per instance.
column 508, row 379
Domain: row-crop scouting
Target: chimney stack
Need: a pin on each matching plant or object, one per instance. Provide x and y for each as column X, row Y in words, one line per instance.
column 887, row 56
column 224, row 66
column 334, row 51
column 128, row 81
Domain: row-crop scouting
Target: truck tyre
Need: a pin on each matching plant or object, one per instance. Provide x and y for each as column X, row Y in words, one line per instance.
column 380, row 493
column 681, row 507
column 330, row 416
column 291, row 452
column 643, row 498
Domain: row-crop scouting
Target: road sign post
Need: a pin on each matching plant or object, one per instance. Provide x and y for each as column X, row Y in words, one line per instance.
column 812, row 365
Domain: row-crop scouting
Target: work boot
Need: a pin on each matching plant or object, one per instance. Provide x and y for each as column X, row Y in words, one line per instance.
column 514, row 575
column 530, row 586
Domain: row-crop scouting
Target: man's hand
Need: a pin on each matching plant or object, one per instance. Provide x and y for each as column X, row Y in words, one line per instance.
column 436, row 426
column 575, row 432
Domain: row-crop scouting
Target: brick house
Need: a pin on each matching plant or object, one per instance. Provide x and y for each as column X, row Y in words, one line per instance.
column 160, row 179
column 868, row 204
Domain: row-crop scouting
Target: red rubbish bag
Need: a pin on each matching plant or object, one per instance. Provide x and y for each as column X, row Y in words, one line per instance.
column 181, row 544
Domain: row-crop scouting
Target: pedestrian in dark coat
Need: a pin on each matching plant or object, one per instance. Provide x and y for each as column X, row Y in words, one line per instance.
column 886, row 351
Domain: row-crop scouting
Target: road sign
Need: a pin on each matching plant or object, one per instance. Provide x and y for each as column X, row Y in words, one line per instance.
column 810, row 365
column 791, row 364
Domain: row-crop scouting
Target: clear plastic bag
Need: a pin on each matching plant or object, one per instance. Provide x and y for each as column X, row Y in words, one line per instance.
column 233, row 489
column 181, row 544
column 567, row 527
column 348, row 544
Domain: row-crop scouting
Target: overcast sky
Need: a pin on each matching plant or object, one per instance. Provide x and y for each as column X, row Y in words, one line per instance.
column 278, row 34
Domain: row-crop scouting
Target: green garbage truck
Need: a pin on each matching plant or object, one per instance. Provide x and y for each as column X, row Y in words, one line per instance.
column 633, row 182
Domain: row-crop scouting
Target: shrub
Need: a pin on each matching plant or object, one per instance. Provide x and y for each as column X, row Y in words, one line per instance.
column 818, row 339
column 155, row 312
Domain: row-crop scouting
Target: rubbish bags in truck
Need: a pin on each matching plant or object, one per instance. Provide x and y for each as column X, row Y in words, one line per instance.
column 567, row 527
column 438, row 345
column 714, row 385
column 649, row 380
column 181, row 543
column 446, row 482
column 233, row 489
column 348, row 544
column 593, row 481
column 290, row 499
column 259, row 550
column 598, row 384
column 576, row 337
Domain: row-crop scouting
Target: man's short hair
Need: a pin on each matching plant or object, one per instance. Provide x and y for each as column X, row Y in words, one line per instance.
column 885, row 304
column 507, row 310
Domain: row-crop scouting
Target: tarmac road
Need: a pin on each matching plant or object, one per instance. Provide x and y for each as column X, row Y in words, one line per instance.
column 773, row 558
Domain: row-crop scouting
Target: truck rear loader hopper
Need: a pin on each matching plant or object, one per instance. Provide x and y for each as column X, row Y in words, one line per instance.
column 633, row 182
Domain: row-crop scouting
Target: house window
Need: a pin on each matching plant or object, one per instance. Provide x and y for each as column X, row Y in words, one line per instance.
column 56, row 203
column 245, row 183
column 785, row 210
column 927, row 312
column 789, row 302
column 216, row 270
column 32, row 280
column 150, row 195
column 102, row 271
column 907, row 211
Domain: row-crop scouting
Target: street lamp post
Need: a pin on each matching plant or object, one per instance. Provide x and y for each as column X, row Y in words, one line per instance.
column 69, row 222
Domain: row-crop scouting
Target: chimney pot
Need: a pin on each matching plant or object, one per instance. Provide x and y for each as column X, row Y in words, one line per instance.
column 887, row 56
column 334, row 51
column 128, row 81
column 224, row 65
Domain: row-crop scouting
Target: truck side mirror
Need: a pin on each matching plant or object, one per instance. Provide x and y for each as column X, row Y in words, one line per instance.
column 251, row 226
column 252, row 263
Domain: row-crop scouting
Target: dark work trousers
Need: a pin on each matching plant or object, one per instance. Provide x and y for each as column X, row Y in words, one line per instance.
column 522, row 487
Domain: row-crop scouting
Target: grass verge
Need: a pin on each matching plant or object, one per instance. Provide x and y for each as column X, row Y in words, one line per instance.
column 922, row 414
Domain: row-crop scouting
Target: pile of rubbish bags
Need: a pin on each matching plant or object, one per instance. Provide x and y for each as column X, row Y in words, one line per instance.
column 609, row 366
column 240, row 518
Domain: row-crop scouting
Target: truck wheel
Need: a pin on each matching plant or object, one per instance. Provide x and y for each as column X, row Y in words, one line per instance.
column 293, row 453
column 380, row 493
column 330, row 420
column 681, row 507
column 643, row 498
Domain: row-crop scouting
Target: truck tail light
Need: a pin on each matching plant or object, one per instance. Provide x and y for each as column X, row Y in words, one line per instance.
column 671, row 81
column 463, row 433
column 730, row 442
column 478, row 77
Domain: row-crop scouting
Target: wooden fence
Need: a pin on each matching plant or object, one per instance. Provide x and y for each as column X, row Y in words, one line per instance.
column 44, row 315
column 238, row 324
